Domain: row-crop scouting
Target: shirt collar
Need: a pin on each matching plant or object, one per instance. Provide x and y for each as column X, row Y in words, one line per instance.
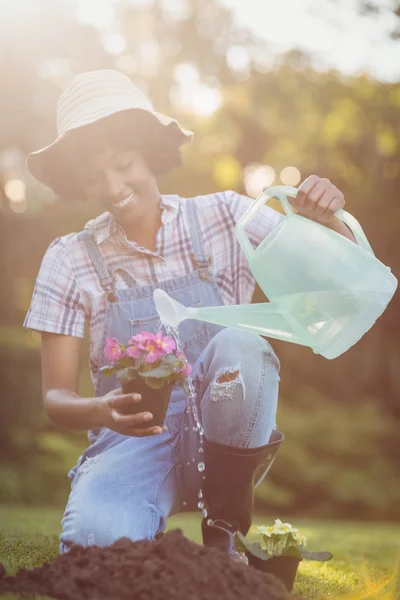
column 105, row 226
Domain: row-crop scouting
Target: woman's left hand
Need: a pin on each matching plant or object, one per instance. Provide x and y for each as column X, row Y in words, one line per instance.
column 318, row 199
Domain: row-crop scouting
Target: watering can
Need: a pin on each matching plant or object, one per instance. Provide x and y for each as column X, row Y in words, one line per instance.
column 324, row 290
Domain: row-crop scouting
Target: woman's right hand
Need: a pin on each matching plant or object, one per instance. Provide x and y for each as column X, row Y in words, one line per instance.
column 114, row 407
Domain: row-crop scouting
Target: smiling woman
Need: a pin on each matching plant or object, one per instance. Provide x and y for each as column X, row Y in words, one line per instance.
column 136, row 132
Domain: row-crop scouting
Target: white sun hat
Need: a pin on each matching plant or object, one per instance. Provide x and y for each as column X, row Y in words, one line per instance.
column 92, row 96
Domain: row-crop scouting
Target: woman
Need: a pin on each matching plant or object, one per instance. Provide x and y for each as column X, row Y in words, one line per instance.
column 111, row 148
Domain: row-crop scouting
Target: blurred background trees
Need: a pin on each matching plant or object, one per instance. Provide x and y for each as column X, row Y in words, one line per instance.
column 259, row 118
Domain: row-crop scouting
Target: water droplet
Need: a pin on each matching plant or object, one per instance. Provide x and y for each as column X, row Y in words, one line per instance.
column 200, row 504
column 201, row 466
column 195, row 428
column 204, row 476
column 188, row 463
column 186, row 428
column 201, row 449
column 204, row 513
column 193, row 459
column 184, row 503
column 200, row 494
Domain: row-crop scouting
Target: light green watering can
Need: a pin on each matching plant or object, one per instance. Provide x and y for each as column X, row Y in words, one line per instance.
column 325, row 291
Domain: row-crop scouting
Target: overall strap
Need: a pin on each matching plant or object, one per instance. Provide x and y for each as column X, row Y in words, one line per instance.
column 107, row 281
column 201, row 260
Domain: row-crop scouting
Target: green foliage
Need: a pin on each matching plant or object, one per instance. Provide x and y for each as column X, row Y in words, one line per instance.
column 332, row 460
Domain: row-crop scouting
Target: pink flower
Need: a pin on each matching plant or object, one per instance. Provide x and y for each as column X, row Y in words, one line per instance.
column 149, row 343
column 146, row 336
column 133, row 352
column 137, row 340
column 153, row 352
column 112, row 350
column 187, row 370
column 135, row 346
column 166, row 343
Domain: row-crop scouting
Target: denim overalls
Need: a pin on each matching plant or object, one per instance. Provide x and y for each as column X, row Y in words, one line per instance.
column 128, row 486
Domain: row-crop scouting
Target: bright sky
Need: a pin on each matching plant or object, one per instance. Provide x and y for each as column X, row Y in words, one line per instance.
column 332, row 30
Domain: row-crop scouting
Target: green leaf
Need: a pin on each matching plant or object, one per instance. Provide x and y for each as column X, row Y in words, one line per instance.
column 253, row 548
column 108, row 370
column 292, row 551
column 164, row 370
column 126, row 375
column 309, row 555
column 154, row 382
column 125, row 361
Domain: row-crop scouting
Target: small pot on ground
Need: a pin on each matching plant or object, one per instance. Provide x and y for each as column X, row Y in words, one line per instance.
column 154, row 401
column 283, row 567
column 279, row 552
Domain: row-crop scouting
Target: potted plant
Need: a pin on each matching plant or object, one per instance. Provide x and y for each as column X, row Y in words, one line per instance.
column 279, row 551
column 149, row 364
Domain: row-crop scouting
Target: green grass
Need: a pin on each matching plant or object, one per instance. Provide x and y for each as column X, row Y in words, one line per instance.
column 365, row 564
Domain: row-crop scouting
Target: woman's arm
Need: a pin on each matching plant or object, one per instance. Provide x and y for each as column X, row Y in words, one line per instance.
column 66, row 408
column 60, row 384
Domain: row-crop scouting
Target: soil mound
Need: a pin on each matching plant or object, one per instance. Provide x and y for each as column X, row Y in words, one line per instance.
column 171, row 568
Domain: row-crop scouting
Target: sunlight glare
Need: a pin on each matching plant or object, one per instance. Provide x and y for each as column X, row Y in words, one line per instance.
column 19, row 207
column 192, row 95
column 257, row 177
column 15, row 190
column 290, row 176
column 238, row 58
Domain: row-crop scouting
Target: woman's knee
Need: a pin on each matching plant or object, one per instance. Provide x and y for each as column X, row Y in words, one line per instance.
column 235, row 353
column 105, row 524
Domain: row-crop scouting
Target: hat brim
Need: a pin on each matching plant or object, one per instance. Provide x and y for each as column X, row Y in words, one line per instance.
column 39, row 162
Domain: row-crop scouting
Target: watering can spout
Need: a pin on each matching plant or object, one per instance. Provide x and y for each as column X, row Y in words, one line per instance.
column 266, row 319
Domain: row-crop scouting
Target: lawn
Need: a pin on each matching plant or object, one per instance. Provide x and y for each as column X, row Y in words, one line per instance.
column 366, row 563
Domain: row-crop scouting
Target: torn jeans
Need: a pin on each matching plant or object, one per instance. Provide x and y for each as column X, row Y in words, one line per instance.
column 237, row 378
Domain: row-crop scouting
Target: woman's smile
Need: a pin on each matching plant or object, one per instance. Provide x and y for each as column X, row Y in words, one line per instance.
column 127, row 201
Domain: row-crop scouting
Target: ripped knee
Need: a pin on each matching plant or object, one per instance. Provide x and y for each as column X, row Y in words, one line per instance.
column 227, row 376
column 225, row 384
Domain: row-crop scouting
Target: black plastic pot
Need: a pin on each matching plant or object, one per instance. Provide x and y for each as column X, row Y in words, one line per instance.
column 153, row 401
column 283, row 567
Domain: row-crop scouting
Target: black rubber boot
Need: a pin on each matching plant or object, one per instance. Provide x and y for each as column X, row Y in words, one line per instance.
column 231, row 475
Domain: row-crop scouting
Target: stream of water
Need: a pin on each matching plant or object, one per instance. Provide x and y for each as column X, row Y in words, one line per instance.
column 192, row 406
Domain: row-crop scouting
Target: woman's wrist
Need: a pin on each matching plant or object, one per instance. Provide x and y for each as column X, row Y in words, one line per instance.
column 67, row 409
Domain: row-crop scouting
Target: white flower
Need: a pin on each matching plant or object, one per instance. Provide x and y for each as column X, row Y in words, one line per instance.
column 280, row 535
column 268, row 531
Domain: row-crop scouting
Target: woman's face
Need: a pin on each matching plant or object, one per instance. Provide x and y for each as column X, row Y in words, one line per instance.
column 120, row 182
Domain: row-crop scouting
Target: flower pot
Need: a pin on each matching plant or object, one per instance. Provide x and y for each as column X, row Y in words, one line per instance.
column 283, row 567
column 154, row 401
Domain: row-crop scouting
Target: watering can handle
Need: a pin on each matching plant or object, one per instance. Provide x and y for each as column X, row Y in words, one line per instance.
column 281, row 192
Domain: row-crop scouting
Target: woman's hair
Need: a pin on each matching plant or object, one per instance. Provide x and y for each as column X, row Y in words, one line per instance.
column 135, row 129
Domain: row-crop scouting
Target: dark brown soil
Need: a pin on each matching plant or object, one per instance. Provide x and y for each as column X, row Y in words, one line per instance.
column 171, row 568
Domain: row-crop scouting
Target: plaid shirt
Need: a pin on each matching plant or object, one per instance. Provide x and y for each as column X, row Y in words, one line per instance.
column 68, row 293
